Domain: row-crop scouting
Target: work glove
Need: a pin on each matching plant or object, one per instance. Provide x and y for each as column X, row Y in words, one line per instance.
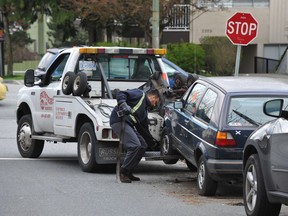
column 124, row 109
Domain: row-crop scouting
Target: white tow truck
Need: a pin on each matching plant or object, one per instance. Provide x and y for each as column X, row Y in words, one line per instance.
column 73, row 99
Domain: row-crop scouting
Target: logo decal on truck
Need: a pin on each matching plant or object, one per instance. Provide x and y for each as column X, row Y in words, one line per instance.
column 45, row 101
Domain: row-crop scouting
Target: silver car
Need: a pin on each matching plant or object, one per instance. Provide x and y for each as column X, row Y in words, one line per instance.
column 265, row 163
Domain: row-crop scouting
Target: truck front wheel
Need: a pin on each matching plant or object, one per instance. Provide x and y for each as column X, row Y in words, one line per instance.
column 86, row 148
column 28, row 147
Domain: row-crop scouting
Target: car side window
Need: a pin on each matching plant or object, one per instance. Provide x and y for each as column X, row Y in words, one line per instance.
column 206, row 106
column 194, row 97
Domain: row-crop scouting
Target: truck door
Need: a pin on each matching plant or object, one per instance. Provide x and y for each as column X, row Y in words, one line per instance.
column 50, row 87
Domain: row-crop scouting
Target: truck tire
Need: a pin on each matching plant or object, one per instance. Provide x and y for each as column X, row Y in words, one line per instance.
column 67, row 84
column 191, row 79
column 80, row 84
column 27, row 147
column 205, row 184
column 86, row 148
column 179, row 81
column 166, row 148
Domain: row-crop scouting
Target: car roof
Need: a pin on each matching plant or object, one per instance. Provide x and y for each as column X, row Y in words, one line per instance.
column 234, row 84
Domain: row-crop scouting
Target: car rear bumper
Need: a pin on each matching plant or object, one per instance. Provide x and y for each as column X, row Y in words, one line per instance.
column 224, row 166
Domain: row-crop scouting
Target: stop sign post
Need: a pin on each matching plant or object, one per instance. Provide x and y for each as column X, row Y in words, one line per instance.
column 241, row 29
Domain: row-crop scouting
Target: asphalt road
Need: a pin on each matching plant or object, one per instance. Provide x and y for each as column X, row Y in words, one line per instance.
column 54, row 185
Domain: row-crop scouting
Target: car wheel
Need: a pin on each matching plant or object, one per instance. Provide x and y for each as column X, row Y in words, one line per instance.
column 191, row 166
column 191, row 79
column 86, row 148
column 206, row 185
column 67, row 84
column 28, row 147
column 80, row 84
column 179, row 81
column 254, row 192
column 166, row 148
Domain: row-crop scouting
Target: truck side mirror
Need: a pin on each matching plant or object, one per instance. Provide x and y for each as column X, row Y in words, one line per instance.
column 29, row 78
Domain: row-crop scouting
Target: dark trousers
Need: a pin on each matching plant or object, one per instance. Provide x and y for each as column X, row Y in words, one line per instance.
column 133, row 143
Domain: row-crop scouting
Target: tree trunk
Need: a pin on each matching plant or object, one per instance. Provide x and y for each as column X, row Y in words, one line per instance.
column 7, row 37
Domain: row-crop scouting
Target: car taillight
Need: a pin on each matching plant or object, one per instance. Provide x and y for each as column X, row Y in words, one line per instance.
column 224, row 139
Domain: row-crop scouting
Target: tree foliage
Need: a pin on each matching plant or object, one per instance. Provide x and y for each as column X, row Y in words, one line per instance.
column 123, row 16
column 18, row 15
column 63, row 27
column 220, row 55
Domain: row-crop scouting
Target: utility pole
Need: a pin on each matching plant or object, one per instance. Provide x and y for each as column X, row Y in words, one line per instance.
column 1, row 45
column 155, row 24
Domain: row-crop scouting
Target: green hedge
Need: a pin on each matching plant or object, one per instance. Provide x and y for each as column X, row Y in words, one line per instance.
column 190, row 57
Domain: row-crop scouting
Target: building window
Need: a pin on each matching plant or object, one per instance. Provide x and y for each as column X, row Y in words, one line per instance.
column 180, row 17
column 234, row 3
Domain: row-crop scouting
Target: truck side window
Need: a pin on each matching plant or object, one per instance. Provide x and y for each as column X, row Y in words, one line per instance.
column 56, row 69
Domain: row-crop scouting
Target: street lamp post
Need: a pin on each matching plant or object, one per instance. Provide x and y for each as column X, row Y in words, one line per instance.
column 1, row 45
column 155, row 24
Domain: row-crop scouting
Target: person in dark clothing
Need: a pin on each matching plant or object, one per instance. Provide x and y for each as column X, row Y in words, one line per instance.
column 133, row 106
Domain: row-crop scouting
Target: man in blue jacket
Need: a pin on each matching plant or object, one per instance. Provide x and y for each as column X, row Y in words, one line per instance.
column 133, row 106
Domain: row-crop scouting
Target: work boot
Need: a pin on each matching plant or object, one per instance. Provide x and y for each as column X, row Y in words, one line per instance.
column 124, row 178
column 133, row 178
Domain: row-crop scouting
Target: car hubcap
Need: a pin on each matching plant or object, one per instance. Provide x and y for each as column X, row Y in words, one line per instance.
column 85, row 147
column 24, row 137
column 201, row 175
column 251, row 187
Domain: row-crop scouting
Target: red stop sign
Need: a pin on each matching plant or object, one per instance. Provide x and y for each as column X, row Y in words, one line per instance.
column 241, row 28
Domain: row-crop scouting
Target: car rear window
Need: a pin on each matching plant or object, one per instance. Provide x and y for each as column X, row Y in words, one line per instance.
column 125, row 67
column 248, row 111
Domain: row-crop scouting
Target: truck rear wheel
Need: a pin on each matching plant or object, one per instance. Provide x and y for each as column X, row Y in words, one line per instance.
column 28, row 147
column 67, row 84
column 86, row 148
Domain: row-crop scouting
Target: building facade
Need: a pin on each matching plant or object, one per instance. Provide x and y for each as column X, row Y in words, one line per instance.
column 263, row 53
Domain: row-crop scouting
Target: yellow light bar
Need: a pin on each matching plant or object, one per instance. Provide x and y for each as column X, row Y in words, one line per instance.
column 113, row 50
column 160, row 51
